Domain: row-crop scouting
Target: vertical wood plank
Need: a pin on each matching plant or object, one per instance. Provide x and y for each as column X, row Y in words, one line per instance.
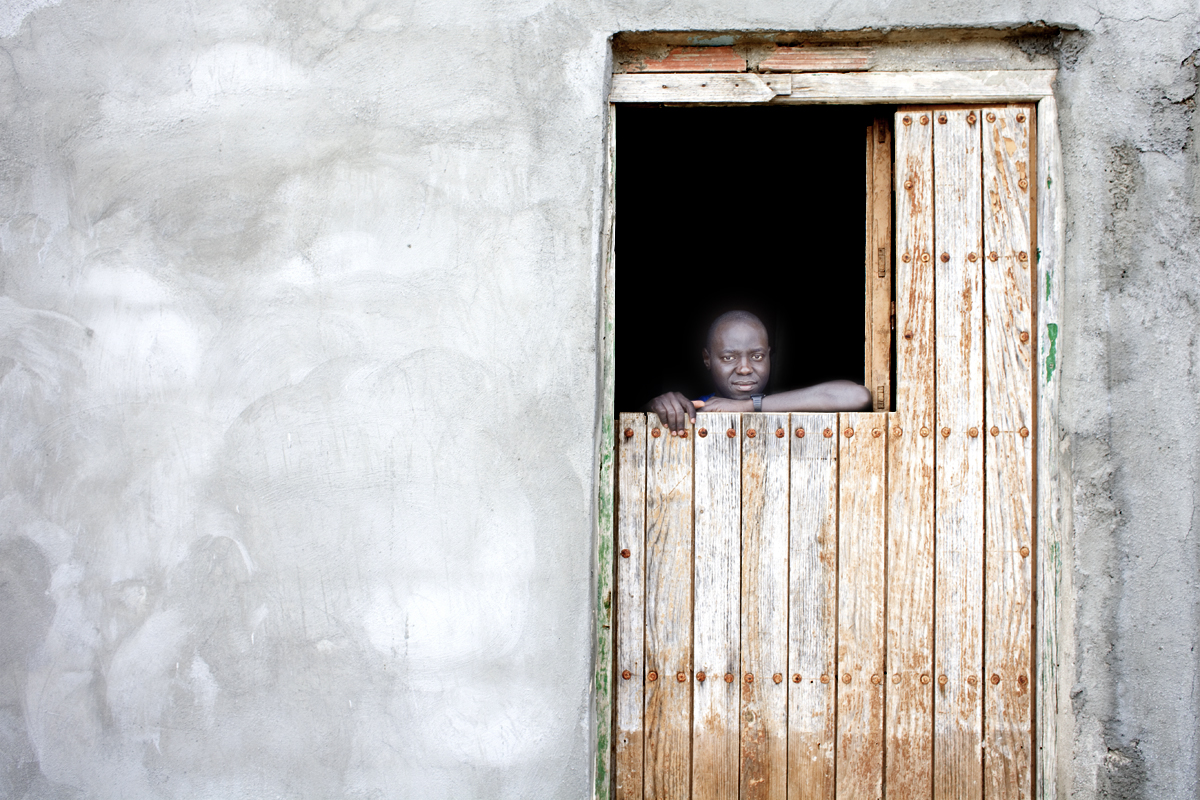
column 861, row 587
column 1053, row 508
column 630, row 606
column 958, row 227
column 717, row 612
column 812, row 607
column 879, row 263
column 1008, row 456
column 910, row 564
column 911, row 466
column 914, row 266
column 765, row 467
column 602, row 687
column 668, row 724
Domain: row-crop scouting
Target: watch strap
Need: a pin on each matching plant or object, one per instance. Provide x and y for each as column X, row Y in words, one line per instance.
column 757, row 400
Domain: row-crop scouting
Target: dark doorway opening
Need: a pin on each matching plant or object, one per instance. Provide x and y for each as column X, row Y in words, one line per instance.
column 759, row 208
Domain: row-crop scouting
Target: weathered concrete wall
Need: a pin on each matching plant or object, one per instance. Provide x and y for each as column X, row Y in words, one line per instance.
column 297, row 388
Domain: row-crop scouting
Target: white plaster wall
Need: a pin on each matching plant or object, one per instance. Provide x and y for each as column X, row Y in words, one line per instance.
column 298, row 388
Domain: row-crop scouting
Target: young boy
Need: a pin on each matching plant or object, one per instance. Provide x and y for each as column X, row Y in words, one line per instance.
column 737, row 354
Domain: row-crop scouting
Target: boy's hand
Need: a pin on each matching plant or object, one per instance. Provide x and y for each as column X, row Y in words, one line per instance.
column 726, row 404
column 674, row 410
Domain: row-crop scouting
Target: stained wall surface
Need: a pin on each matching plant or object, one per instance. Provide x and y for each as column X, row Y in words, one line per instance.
column 298, row 387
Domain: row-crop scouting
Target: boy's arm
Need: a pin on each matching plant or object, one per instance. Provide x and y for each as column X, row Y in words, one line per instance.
column 828, row 396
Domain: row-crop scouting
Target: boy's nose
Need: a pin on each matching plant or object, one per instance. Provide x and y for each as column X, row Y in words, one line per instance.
column 744, row 367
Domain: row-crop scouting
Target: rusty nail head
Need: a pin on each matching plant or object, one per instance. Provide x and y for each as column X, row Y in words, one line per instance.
column 898, row 431
column 896, row 678
column 945, row 257
column 780, row 433
column 796, row 678
column 683, row 434
column 626, row 674
column 625, row 553
column 942, row 119
column 973, row 432
column 924, row 431
column 777, row 677
column 972, row 257
column 846, row 678
column 1024, row 551
column 995, row 679
column 629, row 433
column 908, row 334
column 945, row 432
column 1022, row 256
column 828, row 433
column 729, row 677
column 1020, row 117
column 942, row 680
column 924, row 119
column 876, row 432
column 1024, row 336
column 906, row 258
column 824, row 679
column 681, row 676
column 1024, row 184
column 702, row 432
column 995, row 431
column 908, row 184
column 1024, row 432
column 1021, row 679
column 991, row 117
column 731, row 433
column 925, row 257
column 992, row 256
column 875, row 679
column 907, row 120
column 700, row 676
column 653, row 676
column 971, row 118
column 848, row 433
column 924, row 679
column 749, row 677
column 751, row 433
column 656, row 433
column 799, row 433
column 972, row 680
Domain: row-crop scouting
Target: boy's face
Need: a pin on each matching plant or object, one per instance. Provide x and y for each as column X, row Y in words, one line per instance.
column 739, row 359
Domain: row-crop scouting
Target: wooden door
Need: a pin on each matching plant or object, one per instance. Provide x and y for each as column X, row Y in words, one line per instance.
column 839, row 605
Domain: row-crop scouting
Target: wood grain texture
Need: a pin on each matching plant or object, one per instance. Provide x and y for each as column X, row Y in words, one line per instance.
column 698, row 87
column 630, row 611
column 764, row 657
column 958, row 241
column 914, row 264
column 602, row 679
column 861, row 589
column 869, row 88
column 668, row 720
column 1009, row 452
column 717, row 608
column 878, row 310
column 910, row 564
column 1052, row 524
column 818, row 59
column 812, row 607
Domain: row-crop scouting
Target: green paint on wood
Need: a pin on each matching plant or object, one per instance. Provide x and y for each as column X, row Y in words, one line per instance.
column 1047, row 284
column 1051, row 357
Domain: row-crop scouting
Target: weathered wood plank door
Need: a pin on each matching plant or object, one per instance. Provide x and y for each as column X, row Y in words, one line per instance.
column 840, row 605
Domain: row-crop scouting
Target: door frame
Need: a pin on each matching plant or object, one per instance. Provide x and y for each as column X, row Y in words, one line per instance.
column 1053, row 637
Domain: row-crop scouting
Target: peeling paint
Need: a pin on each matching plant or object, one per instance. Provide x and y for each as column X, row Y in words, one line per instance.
column 1051, row 357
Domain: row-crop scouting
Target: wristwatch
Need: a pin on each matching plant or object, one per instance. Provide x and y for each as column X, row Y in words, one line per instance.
column 757, row 399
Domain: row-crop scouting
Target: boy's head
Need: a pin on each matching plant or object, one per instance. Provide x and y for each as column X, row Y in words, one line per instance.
column 738, row 355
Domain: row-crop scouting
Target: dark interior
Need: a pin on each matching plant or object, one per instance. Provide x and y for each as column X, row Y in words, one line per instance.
column 759, row 208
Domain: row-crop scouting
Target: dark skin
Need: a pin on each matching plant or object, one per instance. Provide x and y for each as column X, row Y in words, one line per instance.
column 738, row 357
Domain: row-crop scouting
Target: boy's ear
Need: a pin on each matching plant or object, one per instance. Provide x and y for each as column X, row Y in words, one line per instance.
column 707, row 360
